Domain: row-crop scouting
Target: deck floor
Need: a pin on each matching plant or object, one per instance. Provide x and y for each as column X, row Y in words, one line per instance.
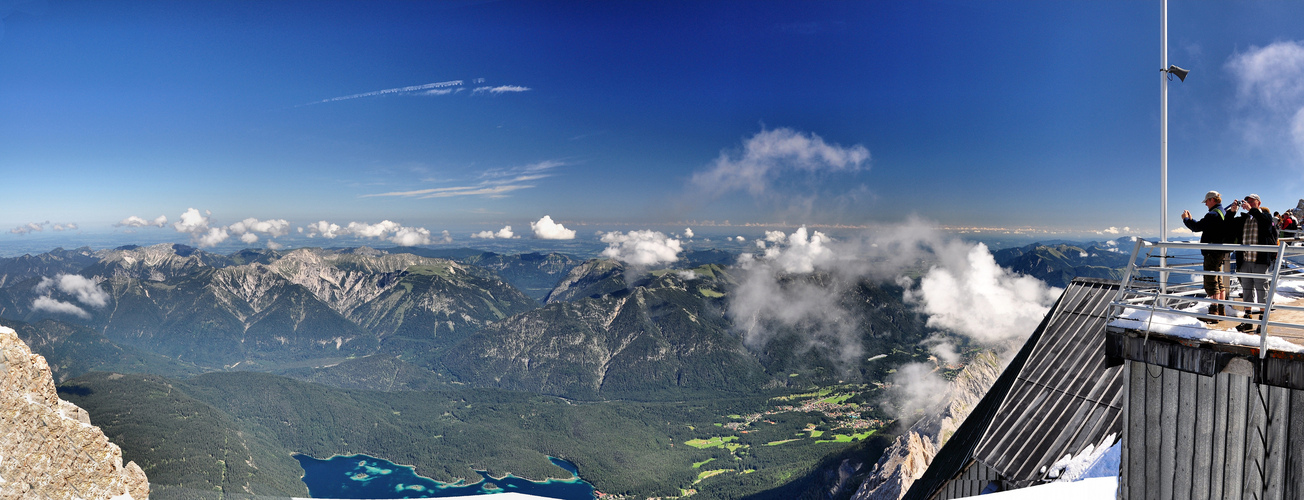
column 1292, row 335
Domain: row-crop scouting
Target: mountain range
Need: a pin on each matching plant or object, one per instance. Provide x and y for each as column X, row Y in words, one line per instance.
column 154, row 340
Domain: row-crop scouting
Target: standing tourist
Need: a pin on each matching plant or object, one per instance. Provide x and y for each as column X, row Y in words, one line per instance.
column 1254, row 228
column 1213, row 229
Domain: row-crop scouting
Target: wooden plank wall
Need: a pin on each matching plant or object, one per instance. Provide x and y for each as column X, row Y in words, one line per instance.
column 969, row 483
column 1221, row 437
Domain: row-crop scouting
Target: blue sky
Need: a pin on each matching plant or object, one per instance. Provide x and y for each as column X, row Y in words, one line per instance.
column 635, row 114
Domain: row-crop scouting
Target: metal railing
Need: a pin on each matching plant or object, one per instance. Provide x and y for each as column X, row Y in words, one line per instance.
column 1150, row 283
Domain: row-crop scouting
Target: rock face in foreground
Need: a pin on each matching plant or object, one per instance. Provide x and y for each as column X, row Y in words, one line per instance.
column 912, row 452
column 48, row 447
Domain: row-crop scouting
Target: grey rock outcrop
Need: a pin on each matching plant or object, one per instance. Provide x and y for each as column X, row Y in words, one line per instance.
column 48, row 447
column 909, row 456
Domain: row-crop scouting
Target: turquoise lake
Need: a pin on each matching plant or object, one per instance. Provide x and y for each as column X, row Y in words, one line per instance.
column 362, row 476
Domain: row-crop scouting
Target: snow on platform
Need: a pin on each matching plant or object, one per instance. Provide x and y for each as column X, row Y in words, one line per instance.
column 1223, row 332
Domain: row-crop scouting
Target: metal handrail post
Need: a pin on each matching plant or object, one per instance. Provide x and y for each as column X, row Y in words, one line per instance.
column 1267, row 306
column 1127, row 279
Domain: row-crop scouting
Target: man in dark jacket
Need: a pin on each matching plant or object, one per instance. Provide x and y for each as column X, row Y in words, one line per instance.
column 1253, row 228
column 1213, row 229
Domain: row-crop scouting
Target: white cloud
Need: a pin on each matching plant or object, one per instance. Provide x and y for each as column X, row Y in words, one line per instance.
column 324, row 229
column 546, row 229
column 771, row 153
column 45, row 303
column 32, row 227
column 641, row 248
column 449, row 192
column 798, row 252
column 210, row 238
column 411, row 236
column 29, row 227
column 915, row 387
column 504, row 233
column 86, row 290
column 1111, row 230
column 388, row 230
column 249, row 238
column 1270, row 91
column 272, row 227
column 1180, row 230
column 191, row 222
column 425, row 89
column 963, row 290
column 493, row 183
column 501, row 89
column 134, row 221
column 197, row 226
column 377, row 230
column 688, row 232
column 741, row 239
column 968, row 293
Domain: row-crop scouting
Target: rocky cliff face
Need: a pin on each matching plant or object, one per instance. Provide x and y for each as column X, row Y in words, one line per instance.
column 912, row 452
column 48, row 447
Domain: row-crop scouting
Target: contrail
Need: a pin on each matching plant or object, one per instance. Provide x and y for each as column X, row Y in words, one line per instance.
column 399, row 90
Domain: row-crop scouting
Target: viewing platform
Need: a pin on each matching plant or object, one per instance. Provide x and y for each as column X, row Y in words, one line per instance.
column 1209, row 410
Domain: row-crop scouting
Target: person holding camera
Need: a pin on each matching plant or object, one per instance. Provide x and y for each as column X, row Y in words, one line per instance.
column 1253, row 228
column 1213, row 228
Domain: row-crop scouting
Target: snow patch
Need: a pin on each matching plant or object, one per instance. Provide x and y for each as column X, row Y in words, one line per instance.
column 1071, row 468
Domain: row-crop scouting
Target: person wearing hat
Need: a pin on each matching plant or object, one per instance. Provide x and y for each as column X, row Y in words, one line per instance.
column 1253, row 228
column 1213, row 229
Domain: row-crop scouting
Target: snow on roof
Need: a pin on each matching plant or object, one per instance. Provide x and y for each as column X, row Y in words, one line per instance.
column 1072, row 468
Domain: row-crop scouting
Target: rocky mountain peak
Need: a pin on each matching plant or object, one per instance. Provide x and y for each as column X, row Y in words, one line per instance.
column 48, row 447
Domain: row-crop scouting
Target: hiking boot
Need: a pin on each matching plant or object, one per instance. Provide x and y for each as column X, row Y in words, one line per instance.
column 1245, row 327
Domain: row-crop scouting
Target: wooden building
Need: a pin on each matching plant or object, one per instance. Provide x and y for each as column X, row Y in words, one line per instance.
column 1208, row 420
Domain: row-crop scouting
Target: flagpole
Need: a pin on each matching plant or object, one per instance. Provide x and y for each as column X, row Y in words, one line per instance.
column 1163, row 150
